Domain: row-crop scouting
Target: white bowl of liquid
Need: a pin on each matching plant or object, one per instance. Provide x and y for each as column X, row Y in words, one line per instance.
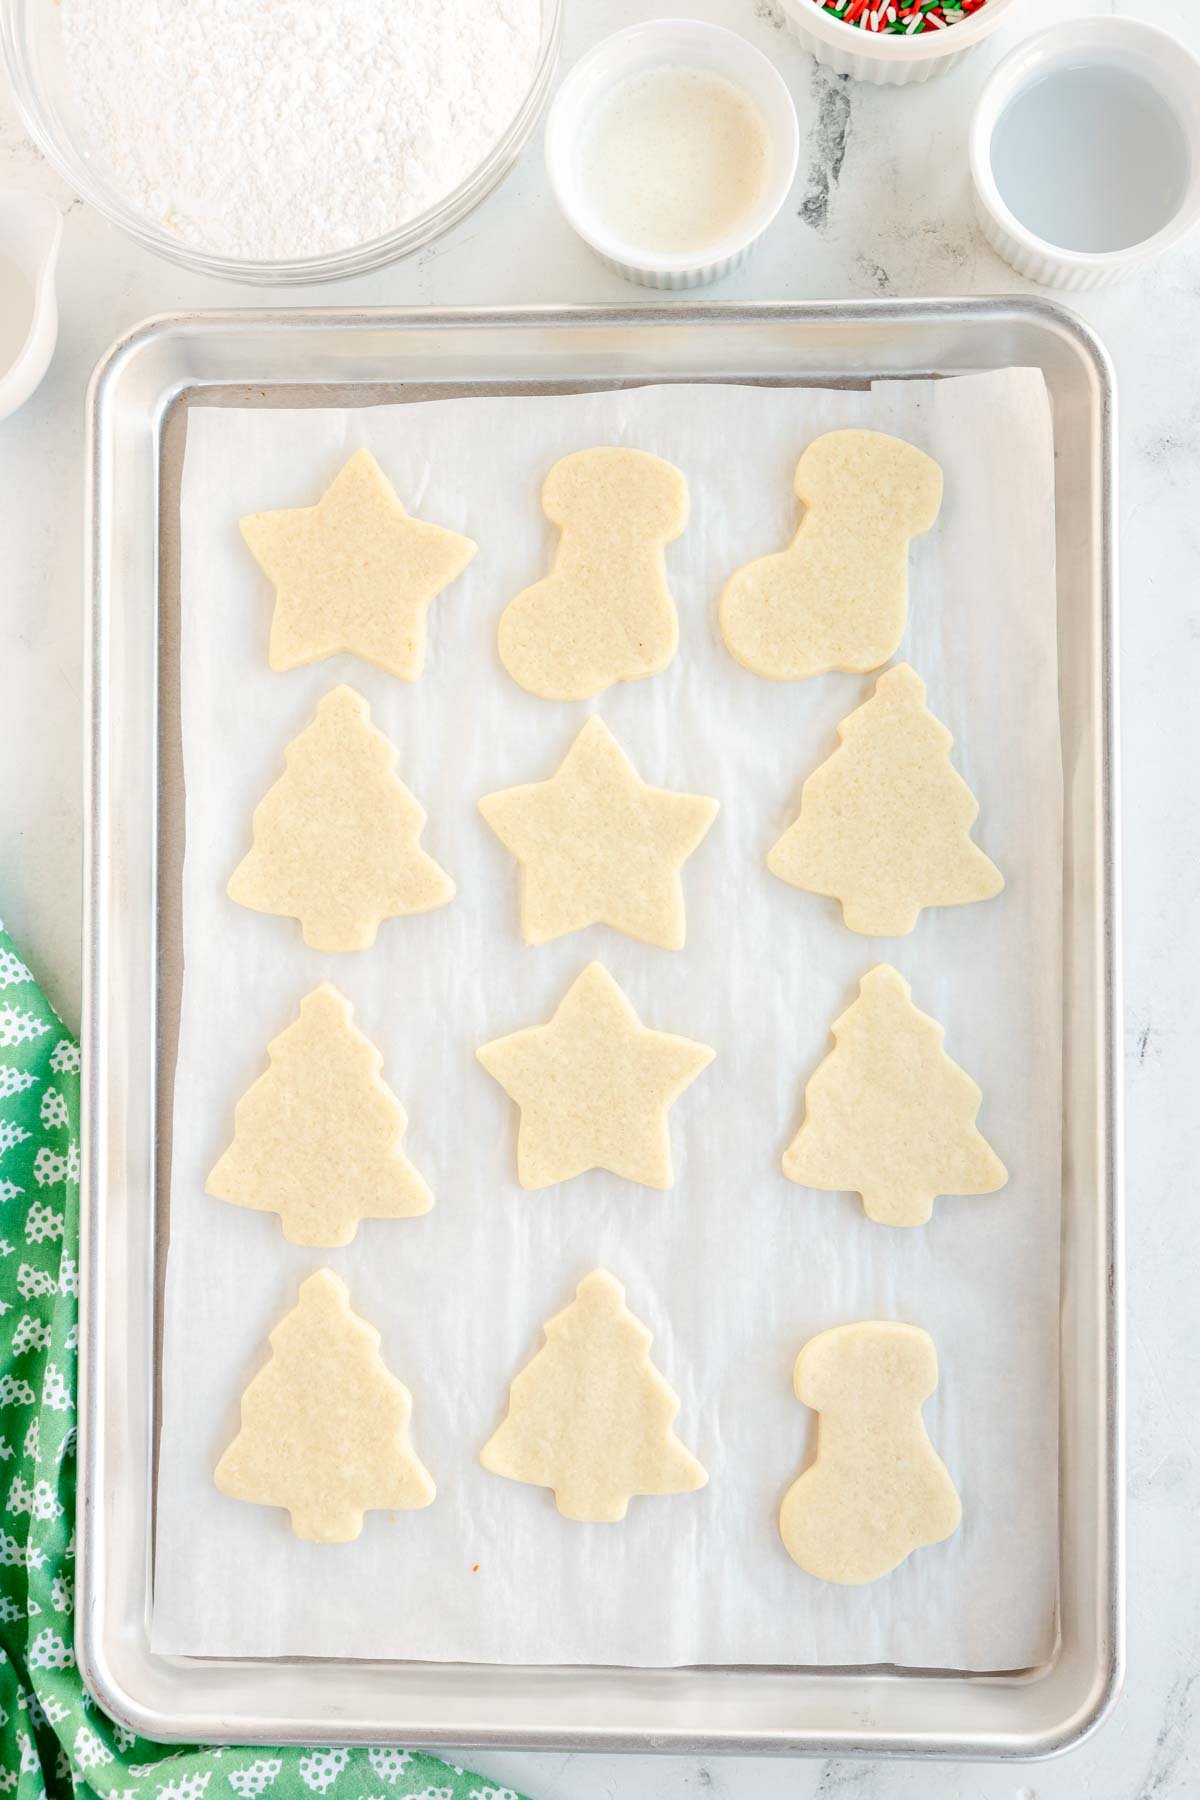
column 1085, row 151
column 670, row 148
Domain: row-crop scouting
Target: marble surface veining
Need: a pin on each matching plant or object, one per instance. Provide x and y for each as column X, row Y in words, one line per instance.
column 880, row 206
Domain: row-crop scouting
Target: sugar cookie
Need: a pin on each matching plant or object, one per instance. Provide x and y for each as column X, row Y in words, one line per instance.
column 885, row 822
column 336, row 838
column 594, row 1087
column 591, row 1416
column 324, row 1428
column 837, row 597
column 317, row 1137
column 877, row 1489
column 888, row 1116
column 598, row 846
column 354, row 572
column 604, row 613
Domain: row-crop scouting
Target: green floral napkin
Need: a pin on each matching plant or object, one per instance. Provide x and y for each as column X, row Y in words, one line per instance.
column 54, row 1740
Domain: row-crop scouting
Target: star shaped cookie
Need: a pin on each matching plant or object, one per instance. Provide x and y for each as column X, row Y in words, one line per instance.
column 594, row 1087
column 354, row 572
column 598, row 846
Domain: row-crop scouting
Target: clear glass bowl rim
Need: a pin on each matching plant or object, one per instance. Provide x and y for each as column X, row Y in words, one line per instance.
column 40, row 120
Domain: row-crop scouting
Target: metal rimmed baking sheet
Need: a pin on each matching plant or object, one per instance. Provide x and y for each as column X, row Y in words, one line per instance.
column 303, row 359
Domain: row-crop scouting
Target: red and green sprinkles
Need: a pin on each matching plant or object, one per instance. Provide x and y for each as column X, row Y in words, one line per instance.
column 906, row 18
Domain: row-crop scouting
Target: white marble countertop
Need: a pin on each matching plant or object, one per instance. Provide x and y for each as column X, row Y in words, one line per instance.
column 880, row 207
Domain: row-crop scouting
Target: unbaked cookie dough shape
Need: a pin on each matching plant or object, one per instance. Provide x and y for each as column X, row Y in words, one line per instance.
column 837, row 597
column 354, row 573
column 888, row 1116
column 594, row 1087
column 598, row 846
column 317, row 1137
column 336, row 839
column 324, row 1429
column 591, row 1416
column 885, row 822
column 604, row 613
column 876, row 1490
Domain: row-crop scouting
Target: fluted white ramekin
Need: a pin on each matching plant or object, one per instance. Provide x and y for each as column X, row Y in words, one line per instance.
column 1163, row 62
column 886, row 58
column 656, row 43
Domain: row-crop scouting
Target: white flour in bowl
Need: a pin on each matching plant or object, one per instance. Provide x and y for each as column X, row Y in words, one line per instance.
column 282, row 128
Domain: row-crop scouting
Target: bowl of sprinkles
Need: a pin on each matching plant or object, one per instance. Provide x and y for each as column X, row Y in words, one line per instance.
column 894, row 42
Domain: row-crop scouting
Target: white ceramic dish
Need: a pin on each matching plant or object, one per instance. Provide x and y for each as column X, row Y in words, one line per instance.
column 888, row 59
column 1133, row 47
column 659, row 43
column 30, row 232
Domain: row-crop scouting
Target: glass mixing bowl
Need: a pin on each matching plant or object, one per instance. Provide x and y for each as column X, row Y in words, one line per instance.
column 31, row 43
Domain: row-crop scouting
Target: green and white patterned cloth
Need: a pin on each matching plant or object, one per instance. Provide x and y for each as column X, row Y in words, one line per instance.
column 54, row 1740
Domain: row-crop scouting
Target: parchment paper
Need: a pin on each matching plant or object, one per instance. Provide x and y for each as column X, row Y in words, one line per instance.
column 736, row 1267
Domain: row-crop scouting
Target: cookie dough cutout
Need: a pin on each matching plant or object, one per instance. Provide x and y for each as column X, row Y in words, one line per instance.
column 837, row 597
column 317, row 1137
column 336, row 840
column 325, row 1425
column 604, row 613
column 594, row 1087
column 598, row 846
column 591, row 1416
column 354, row 573
column 877, row 1490
column 888, row 1116
column 885, row 822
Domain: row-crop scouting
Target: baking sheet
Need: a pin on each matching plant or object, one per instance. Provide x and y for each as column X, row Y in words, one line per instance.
column 736, row 1267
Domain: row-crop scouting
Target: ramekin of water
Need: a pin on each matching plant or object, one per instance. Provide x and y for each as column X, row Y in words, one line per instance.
column 1085, row 151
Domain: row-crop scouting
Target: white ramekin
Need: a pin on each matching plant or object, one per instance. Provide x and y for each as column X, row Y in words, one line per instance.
column 1163, row 62
column 699, row 46
column 886, row 58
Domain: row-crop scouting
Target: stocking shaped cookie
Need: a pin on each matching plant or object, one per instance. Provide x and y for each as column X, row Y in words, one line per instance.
column 876, row 1490
column 837, row 597
column 354, row 572
column 885, row 822
column 591, row 1416
column 604, row 613
column 317, row 1137
column 887, row 1115
column 324, row 1425
column 336, row 838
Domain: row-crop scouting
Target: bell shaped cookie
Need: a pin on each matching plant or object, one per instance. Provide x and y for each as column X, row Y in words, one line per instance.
column 336, row 840
column 591, row 1416
column 317, row 1136
column 885, row 822
column 324, row 1429
column 354, row 572
column 876, row 1490
column 888, row 1116
column 837, row 597
column 604, row 613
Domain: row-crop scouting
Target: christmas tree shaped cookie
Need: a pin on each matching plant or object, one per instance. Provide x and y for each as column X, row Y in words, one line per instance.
column 317, row 1138
column 877, row 1490
column 591, row 1416
column 837, row 597
column 885, row 822
column 325, row 1425
column 887, row 1115
column 604, row 613
column 336, row 839
column 594, row 1087
column 598, row 846
column 354, row 572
